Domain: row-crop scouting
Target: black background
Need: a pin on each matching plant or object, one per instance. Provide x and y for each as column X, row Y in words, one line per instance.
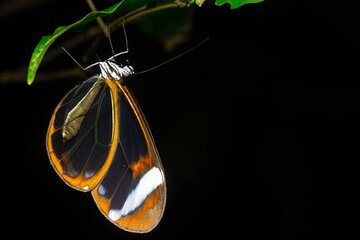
column 258, row 129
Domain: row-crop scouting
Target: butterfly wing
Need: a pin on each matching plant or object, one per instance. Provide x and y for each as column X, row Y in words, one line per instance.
column 132, row 194
column 80, row 135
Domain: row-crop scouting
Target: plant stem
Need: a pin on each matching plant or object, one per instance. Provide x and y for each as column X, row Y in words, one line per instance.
column 99, row 20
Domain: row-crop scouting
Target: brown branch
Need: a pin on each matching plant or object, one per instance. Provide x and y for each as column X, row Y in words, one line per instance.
column 98, row 19
column 10, row 7
column 11, row 77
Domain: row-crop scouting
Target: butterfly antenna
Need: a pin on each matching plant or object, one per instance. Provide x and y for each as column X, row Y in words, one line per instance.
column 83, row 68
column 172, row 59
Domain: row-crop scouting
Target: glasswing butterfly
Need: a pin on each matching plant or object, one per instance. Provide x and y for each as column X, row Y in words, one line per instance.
column 98, row 141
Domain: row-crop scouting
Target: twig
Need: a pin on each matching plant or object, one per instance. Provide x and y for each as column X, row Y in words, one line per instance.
column 11, row 77
column 12, row 7
column 98, row 19
column 140, row 12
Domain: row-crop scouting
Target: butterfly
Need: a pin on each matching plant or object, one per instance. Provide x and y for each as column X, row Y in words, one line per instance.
column 98, row 141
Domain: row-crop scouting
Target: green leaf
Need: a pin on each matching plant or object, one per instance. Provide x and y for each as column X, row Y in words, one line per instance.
column 199, row 2
column 117, row 9
column 236, row 3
